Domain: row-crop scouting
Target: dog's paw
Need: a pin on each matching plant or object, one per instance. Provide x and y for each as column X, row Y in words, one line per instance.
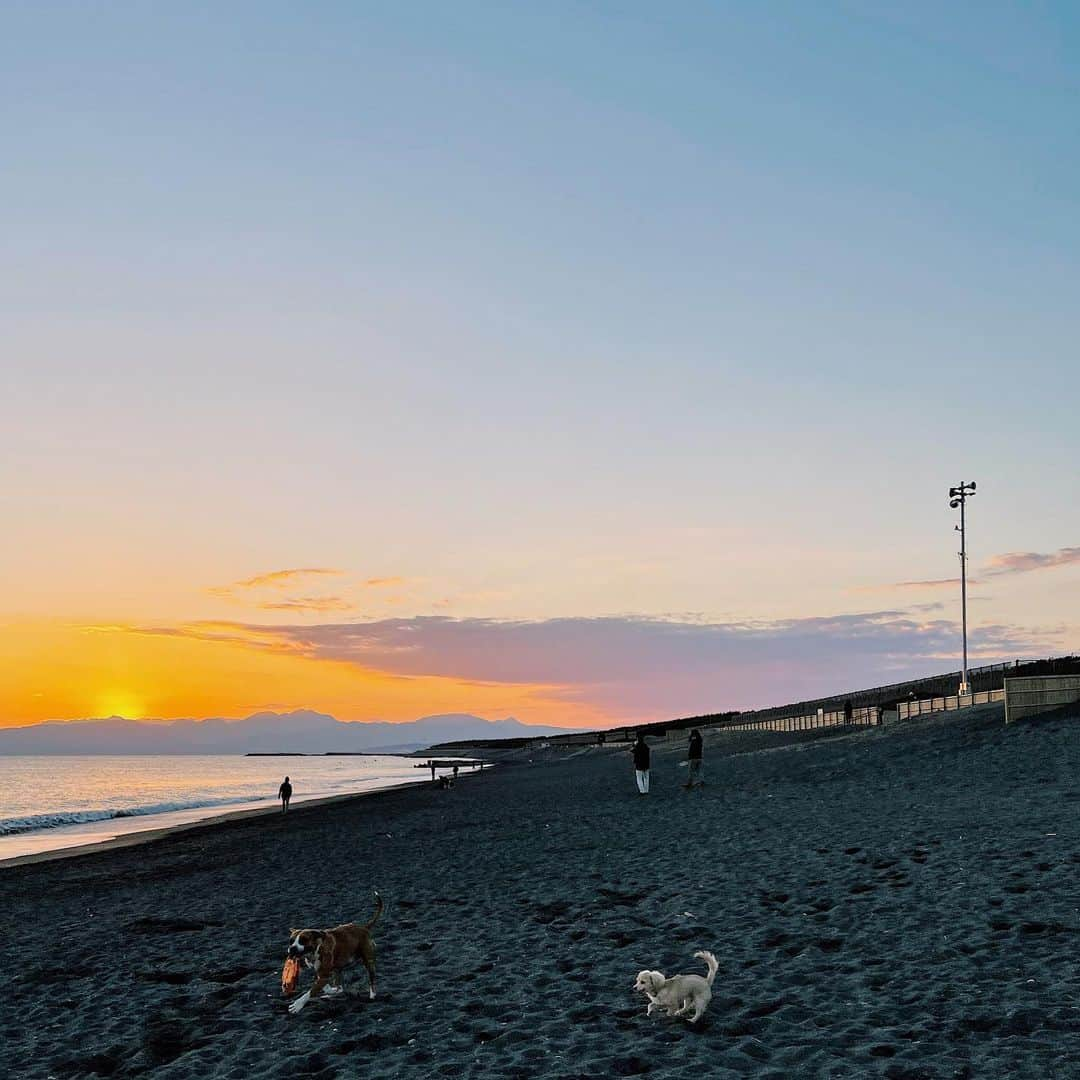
column 298, row 1004
column 333, row 991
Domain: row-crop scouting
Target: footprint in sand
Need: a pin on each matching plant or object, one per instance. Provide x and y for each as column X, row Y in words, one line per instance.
column 548, row 913
column 168, row 926
column 623, row 899
column 883, row 1050
column 170, row 978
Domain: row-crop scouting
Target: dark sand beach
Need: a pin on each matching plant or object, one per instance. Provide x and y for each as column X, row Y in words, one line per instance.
column 901, row 903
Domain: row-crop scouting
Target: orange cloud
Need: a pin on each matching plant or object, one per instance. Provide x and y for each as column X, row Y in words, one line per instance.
column 276, row 579
column 279, row 578
column 308, row 603
column 240, row 592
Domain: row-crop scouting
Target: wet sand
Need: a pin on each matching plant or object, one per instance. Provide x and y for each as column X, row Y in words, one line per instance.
column 901, row 903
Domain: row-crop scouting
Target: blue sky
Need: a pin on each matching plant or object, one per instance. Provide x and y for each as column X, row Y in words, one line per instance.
column 555, row 311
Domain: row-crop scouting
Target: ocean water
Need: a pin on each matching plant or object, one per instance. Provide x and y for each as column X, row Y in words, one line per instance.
column 52, row 801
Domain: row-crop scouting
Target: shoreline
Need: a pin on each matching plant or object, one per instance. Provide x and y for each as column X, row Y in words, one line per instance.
column 147, row 836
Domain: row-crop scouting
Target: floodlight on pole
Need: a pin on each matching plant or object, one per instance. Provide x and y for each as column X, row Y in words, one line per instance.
column 958, row 497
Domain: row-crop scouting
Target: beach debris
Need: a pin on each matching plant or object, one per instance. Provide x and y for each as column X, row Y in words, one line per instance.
column 290, row 975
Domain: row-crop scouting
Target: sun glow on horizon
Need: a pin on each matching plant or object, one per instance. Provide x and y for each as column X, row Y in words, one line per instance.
column 57, row 670
column 123, row 703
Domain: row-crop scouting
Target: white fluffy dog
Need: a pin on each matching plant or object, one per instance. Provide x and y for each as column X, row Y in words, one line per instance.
column 681, row 995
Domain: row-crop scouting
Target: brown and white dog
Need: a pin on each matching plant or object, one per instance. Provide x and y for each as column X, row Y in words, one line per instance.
column 331, row 952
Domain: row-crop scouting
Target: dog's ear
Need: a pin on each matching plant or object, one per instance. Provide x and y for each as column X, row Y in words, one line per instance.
column 325, row 951
column 293, row 933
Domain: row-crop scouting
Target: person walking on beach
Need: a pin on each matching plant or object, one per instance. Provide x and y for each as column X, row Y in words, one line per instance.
column 694, row 761
column 431, row 765
column 285, row 794
column 455, row 772
column 641, row 764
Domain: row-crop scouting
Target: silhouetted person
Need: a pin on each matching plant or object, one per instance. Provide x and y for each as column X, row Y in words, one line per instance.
column 694, row 755
column 848, row 712
column 285, row 794
column 641, row 764
column 432, row 764
column 455, row 772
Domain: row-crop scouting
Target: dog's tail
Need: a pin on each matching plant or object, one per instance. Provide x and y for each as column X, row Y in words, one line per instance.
column 710, row 963
column 378, row 910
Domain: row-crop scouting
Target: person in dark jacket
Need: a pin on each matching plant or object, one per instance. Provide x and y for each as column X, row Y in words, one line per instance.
column 285, row 794
column 641, row 764
column 694, row 755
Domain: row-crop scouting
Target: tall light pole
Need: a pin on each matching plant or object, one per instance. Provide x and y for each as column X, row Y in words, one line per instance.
column 958, row 496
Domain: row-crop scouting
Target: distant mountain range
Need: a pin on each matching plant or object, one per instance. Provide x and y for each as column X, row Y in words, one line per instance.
column 301, row 731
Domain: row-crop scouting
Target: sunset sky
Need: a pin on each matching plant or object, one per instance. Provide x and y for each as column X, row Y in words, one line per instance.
column 580, row 362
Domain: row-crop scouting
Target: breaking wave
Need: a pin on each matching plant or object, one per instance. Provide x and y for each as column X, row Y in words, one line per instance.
column 33, row 822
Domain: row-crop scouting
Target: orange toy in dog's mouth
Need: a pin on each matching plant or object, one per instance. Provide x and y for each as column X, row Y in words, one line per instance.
column 290, row 975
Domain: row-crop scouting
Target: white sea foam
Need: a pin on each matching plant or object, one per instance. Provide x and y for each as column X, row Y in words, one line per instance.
column 13, row 826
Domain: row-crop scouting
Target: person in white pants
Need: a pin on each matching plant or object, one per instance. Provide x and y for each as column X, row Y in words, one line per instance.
column 641, row 764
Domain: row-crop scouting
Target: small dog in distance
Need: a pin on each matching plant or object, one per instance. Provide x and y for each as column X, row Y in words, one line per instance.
column 685, row 996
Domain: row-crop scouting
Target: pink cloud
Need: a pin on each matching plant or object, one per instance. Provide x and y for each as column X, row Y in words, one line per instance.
column 635, row 666
column 1022, row 562
column 933, row 583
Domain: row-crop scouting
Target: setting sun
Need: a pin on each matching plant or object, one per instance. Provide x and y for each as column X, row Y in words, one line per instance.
column 121, row 703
